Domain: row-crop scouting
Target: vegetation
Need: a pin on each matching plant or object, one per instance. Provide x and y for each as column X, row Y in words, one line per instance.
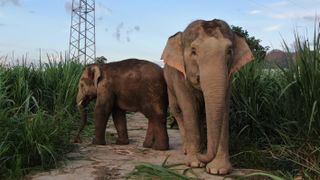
column 275, row 120
column 257, row 49
column 101, row 60
column 161, row 172
column 37, row 114
column 275, row 116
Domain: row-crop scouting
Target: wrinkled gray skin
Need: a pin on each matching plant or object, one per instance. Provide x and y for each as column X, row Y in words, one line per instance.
column 198, row 64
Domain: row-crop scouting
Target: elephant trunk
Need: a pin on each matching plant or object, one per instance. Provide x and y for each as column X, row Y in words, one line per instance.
column 81, row 103
column 213, row 81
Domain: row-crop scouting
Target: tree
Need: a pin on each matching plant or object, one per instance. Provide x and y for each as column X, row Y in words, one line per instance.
column 258, row 51
column 101, row 60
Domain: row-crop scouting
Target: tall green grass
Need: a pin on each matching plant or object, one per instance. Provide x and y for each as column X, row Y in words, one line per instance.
column 275, row 120
column 37, row 115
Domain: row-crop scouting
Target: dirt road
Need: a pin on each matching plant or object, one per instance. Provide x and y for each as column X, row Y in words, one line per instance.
column 115, row 162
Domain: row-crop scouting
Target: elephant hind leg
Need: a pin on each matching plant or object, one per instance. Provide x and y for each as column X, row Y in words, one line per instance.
column 177, row 114
column 161, row 139
column 149, row 139
column 120, row 122
column 157, row 132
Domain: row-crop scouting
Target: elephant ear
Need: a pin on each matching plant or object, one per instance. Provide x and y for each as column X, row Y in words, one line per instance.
column 94, row 73
column 241, row 54
column 173, row 53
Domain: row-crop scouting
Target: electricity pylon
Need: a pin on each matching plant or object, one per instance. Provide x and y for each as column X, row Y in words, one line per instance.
column 82, row 43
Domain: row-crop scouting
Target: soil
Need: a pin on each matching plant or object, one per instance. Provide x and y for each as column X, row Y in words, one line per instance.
column 113, row 161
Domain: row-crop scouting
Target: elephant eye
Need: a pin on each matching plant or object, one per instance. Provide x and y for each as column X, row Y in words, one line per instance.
column 230, row 51
column 193, row 51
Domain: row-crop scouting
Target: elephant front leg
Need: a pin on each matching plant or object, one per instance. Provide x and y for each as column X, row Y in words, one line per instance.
column 192, row 139
column 120, row 122
column 221, row 163
column 101, row 115
column 190, row 127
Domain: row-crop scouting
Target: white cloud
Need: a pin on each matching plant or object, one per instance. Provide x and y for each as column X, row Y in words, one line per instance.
column 304, row 15
column 255, row 11
column 314, row 17
column 302, row 10
column 278, row 4
column 273, row 28
column 287, row 15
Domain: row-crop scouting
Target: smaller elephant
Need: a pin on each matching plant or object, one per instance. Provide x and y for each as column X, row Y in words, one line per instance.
column 129, row 85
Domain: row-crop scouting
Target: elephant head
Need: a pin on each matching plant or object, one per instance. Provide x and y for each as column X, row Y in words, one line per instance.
column 207, row 53
column 87, row 90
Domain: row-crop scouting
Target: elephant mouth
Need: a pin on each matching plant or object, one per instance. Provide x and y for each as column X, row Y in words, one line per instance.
column 84, row 101
column 80, row 103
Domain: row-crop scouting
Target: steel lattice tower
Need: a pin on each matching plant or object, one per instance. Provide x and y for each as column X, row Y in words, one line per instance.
column 82, row 44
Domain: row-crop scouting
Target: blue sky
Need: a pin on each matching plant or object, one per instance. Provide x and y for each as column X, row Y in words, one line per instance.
column 143, row 26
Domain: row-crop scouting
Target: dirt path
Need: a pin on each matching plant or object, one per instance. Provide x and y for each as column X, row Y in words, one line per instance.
column 115, row 161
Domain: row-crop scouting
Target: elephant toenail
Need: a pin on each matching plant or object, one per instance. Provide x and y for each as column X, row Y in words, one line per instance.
column 214, row 171
column 223, row 171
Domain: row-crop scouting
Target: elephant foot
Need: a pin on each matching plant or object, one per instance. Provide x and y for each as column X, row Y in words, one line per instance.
column 147, row 144
column 184, row 149
column 98, row 142
column 77, row 140
column 160, row 146
column 122, row 141
column 192, row 161
column 219, row 166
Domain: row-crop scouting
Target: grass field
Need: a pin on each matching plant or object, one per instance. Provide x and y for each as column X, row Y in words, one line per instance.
column 275, row 116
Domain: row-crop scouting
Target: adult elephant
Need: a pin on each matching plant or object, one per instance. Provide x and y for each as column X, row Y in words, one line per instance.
column 198, row 65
